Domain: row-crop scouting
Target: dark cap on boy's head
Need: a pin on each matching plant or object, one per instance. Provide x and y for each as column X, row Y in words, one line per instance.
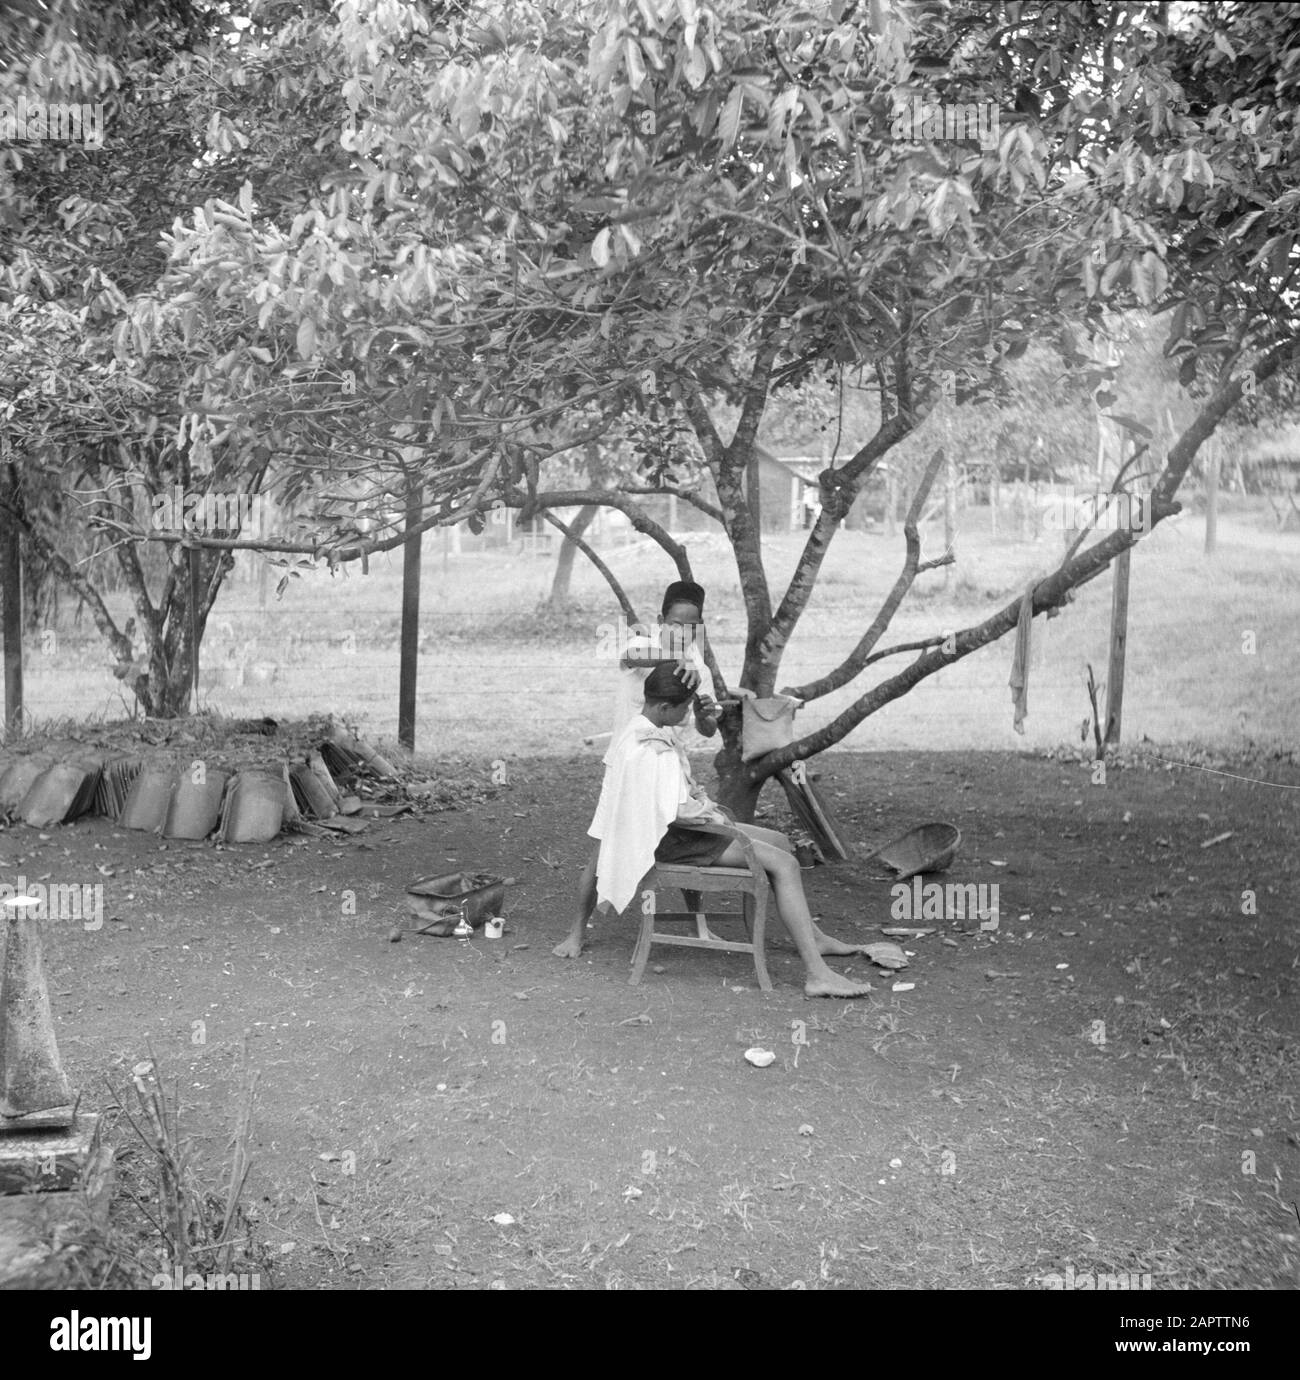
column 665, row 685
column 684, row 592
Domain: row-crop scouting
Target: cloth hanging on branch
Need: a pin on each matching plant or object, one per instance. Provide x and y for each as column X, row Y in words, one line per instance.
column 1019, row 681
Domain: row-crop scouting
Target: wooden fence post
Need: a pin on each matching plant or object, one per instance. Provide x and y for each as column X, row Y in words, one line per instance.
column 1118, row 643
column 949, row 515
column 11, row 590
column 1024, row 507
column 1212, row 497
column 196, row 595
column 410, row 638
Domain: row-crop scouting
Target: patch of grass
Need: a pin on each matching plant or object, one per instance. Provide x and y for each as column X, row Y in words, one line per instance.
column 164, row 1216
column 1191, row 673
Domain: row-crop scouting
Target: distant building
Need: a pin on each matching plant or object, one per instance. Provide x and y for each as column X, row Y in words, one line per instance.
column 789, row 498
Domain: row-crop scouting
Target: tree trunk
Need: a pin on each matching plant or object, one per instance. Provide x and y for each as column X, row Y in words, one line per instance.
column 169, row 696
column 164, row 690
column 564, row 562
column 159, row 674
column 736, row 788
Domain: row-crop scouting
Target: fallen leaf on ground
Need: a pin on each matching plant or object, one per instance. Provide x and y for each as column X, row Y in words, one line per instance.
column 886, row 955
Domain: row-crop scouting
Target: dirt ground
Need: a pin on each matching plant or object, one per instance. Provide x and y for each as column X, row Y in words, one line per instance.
column 1120, row 1099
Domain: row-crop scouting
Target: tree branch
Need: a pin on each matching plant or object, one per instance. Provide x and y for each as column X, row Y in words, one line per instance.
column 741, row 448
column 1050, row 593
column 688, row 495
column 859, row 656
column 611, row 580
column 710, row 442
column 858, row 466
column 75, row 580
column 838, row 493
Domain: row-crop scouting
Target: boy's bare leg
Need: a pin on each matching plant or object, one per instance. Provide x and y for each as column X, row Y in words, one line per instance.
column 827, row 945
column 786, row 877
column 761, row 835
column 575, row 941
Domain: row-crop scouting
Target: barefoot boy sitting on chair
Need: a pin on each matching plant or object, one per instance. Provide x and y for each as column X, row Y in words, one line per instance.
column 647, row 805
column 679, row 639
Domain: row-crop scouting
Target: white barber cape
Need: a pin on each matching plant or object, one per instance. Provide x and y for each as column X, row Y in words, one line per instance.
column 647, row 786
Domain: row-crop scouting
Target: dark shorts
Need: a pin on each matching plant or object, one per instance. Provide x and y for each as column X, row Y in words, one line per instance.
column 690, row 846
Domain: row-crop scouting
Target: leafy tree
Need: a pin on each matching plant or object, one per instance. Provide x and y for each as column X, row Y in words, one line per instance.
column 645, row 214
column 101, row 394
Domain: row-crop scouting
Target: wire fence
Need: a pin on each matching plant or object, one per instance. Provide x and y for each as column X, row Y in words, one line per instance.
column 516, row 704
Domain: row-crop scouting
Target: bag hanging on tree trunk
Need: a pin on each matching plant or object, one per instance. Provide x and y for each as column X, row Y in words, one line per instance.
column 766, row 725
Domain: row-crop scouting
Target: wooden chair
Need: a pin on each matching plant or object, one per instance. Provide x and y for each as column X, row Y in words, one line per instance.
column 691, row 881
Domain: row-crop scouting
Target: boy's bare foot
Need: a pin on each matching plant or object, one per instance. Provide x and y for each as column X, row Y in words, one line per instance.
column 834, row 985
column 837, row 947
column 571, row 947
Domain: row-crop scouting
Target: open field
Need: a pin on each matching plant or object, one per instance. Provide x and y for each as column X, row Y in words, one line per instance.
column 495, row 678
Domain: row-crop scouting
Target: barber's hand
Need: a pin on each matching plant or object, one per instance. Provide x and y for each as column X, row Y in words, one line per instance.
column 706, row 707
column 687, row 674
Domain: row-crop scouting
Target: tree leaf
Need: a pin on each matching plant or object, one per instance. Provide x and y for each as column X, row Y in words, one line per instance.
column 635, row 64
column 1129, row 424
column 729, row 123
column 1090, row 284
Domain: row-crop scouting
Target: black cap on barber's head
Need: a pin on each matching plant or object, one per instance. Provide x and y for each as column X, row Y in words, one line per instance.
column 684, row 592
